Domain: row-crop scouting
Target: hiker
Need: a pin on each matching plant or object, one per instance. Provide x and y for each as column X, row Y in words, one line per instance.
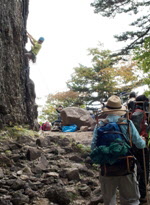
column 36, row 46
column 57, row 124
column 117, row 176
column 141, row 122
column 131, row 103
column 58, row 110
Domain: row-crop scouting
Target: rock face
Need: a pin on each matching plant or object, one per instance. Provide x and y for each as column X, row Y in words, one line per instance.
column 17, row 95
column 78, row 116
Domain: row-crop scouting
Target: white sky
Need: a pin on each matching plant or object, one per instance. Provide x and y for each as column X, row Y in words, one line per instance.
column 69, row 27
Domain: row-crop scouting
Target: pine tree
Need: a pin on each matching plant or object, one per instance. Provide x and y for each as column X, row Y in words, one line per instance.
column 103, row 78
column 110, row 8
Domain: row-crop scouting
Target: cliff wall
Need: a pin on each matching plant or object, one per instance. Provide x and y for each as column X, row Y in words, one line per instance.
column 17, row 95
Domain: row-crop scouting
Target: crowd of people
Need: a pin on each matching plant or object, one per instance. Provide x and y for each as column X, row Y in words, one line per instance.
column 130, row 172
column 131, row 182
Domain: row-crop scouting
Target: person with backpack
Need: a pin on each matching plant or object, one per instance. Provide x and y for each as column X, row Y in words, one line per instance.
column 110, row 142
column 59, row 120
column 140, row 120
column 131, row 101
column 36, row 46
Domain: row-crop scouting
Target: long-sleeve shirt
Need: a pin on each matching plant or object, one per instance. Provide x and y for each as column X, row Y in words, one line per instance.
column 136, row 139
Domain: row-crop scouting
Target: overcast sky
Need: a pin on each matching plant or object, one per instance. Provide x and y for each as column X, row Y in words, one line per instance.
column 69, row 27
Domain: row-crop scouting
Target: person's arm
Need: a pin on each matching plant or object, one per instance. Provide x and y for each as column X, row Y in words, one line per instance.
column 29, row 35
column 137, row 140
column 32, row 40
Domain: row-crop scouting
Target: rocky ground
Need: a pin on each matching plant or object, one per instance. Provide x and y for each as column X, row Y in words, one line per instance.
column 53, row 169
column 48, row 170
column 80, row 137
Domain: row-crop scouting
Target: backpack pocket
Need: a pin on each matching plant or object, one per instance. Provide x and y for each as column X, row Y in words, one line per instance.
column 124, row 166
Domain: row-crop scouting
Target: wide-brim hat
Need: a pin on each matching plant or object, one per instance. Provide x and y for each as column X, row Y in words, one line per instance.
column 114, row 106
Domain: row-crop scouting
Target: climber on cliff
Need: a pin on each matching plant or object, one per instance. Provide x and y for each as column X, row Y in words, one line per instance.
column 36, row 46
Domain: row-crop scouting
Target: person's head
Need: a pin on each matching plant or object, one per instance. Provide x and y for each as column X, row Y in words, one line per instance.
column 41, row 40
column 59, row 109
column 114, row 106
column 141, row 99
column 132, row 95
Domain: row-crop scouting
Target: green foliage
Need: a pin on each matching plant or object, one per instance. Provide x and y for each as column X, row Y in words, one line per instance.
column 82, row 148
column 8, row 152
column 16, row 131
column 103, row 78
column 48, row 113
column 142, row 56
column 65, row 99
column 72, row 196
column 94, row 79
column 110, row 8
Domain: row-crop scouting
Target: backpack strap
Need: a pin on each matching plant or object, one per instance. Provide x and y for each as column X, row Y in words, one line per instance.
column 128, row 142
column 129, row 132
column 121, row 122
column 128, row 129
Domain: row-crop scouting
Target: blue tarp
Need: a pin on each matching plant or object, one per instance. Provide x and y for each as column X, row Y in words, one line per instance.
column 69, row 128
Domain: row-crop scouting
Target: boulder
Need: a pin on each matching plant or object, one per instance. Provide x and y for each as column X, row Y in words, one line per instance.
column 33, row 153
column 84, row 128
column 58, row 194
column 78, row 116
column 84, row 190
column 73, row 174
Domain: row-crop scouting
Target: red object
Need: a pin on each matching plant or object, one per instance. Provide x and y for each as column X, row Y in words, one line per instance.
column 46, row 126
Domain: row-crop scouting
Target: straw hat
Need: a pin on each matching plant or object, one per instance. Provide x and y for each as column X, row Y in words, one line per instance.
column 114, row 106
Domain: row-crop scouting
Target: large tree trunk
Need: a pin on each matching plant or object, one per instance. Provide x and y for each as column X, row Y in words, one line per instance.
column 17, row 95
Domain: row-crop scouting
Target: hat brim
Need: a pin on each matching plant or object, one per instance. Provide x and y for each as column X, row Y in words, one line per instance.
column 120, row 112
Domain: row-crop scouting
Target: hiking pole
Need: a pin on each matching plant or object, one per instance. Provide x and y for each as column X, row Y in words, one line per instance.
column 145, row 176
column 130, row 137
column 144, row 165
column 144, row 160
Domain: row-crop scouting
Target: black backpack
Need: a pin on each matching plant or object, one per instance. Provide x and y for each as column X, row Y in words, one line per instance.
column 137, row 118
